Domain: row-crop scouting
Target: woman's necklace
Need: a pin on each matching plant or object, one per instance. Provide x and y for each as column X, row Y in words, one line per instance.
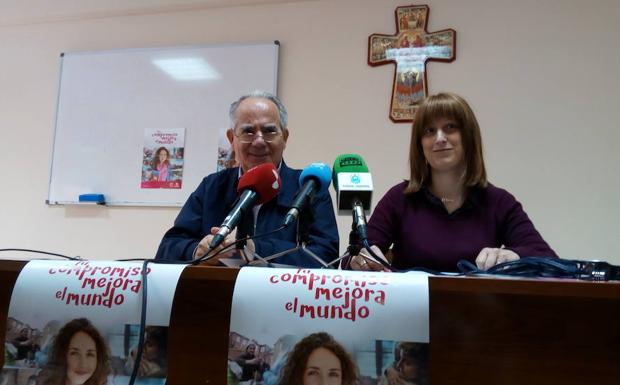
column 453, row 195
column 450, row 200
column 445, row 200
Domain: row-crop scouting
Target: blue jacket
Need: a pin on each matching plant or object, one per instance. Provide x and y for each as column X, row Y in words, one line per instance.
column 215, row 197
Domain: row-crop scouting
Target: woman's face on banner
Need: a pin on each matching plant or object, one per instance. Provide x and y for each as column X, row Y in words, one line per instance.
column 407, row 367
column 81, row 358
column 151, row 350
column 323, row 368
column 163, row 155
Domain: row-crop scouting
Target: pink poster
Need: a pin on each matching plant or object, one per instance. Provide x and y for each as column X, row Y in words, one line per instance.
column 162, row 158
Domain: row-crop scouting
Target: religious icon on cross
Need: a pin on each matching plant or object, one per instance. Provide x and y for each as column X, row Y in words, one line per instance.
column 410, row 48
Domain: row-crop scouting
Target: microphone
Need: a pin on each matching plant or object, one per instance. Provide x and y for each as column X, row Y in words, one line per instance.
column 316, row 177
column 258, row 185
column 359, row 220
column 352, row 180
column 353, row 184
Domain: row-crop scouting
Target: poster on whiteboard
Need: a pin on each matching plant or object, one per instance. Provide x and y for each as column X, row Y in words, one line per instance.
column 162, row 158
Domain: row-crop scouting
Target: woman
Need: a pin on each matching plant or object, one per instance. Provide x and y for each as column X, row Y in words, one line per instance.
column 154, row 361
column 162, row 163
column 49, row 331
column 79, row 356
column 410, row 365
column 447, row 211
column 318, row 360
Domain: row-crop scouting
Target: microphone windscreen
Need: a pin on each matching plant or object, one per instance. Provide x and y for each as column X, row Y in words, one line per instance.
column 348, row 163
column 262, row 179
column 317, row 171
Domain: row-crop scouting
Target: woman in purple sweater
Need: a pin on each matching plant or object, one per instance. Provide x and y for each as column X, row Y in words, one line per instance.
column 448, row 211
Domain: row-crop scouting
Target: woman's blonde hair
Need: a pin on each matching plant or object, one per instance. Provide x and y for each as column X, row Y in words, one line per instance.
column 451, row 106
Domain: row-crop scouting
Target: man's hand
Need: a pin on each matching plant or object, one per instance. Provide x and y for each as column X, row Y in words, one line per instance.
column 204, row 244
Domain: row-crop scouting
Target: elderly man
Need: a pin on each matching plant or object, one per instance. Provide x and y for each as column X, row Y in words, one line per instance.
column 258, row 135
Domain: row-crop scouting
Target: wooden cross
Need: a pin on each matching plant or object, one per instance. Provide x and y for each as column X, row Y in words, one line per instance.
column 410, row 49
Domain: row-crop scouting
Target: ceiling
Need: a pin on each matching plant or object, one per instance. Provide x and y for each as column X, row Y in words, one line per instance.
column 19, row 12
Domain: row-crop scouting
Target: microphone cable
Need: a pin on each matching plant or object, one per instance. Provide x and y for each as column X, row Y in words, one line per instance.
column 138, row 358
column 45, row 252
column 391, row 268
column 386, row 265
column 548, row 267
column 378, row 259
column 207, row 257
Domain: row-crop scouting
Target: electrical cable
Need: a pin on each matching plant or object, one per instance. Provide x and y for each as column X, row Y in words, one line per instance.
column 44, row 252
column 378, row 259
column 138, row 358
column 207, row 257
column 391, row 268
column 548, row 267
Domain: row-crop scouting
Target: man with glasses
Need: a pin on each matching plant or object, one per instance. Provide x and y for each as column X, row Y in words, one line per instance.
column 258, row 135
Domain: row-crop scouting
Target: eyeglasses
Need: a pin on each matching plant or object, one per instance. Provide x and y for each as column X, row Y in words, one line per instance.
column 249, row 134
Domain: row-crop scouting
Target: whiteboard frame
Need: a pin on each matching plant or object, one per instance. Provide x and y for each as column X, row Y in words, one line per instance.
column 194, row 167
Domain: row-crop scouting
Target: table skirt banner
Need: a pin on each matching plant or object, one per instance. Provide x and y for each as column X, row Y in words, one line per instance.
column 75, row 321
column 301, row 325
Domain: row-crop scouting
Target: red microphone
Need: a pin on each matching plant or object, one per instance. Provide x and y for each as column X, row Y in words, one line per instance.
column 262, row 179
column 258, row 185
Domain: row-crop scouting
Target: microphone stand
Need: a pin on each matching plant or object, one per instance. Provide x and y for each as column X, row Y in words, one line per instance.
column 354, row 248
column 356, row 243
column 300, row 246
column 301, row 242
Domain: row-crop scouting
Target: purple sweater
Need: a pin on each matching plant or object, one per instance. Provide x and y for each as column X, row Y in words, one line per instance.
column 424, row 234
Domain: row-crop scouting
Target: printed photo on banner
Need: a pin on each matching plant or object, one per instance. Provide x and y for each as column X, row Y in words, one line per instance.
column 162, row 158
column 73, row 323
column 303, row 327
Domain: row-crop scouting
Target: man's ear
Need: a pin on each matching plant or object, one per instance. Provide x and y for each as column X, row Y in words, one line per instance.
column 285, row 134
column 231, row 135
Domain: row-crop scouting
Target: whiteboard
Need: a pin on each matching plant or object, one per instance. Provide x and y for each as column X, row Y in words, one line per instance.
column 107, row 100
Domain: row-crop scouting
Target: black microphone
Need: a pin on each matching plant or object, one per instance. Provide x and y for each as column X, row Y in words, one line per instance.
column 359, row 220
column 316, row 177
column 258, row 185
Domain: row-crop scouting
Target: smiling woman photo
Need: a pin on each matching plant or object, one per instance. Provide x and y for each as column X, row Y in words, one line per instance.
column 79, row 356
column 318, row 359
column 161, row 164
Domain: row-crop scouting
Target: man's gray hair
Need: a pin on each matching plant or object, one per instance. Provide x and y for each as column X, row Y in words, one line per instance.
column 232, row 112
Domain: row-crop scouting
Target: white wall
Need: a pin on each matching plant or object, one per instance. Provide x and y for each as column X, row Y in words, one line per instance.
column 542, row 77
